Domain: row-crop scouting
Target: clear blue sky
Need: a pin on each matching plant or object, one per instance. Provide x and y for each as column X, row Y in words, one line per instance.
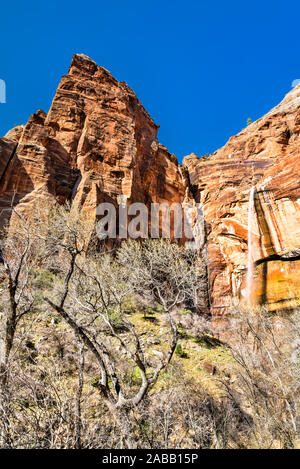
column 200, row 68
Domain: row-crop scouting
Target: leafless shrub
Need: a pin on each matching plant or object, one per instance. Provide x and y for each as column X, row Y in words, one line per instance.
column 265, row 347
column 77, row 373
column 89, row 295
column 184, row 415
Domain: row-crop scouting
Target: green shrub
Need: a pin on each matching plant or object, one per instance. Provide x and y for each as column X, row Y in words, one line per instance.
column 116, row 321
column 136, row 376
column 43, row 278
column 180, row 352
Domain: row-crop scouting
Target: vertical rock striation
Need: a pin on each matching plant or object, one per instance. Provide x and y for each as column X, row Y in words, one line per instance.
column 96, row 143
column 265, row 154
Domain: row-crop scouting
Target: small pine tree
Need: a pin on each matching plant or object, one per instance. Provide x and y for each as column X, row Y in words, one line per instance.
column 249, row 121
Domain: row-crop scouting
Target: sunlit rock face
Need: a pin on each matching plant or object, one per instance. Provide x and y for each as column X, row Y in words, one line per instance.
column 97, row 142
column 265, row 154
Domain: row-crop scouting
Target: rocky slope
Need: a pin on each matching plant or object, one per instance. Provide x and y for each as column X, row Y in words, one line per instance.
column 97, row 142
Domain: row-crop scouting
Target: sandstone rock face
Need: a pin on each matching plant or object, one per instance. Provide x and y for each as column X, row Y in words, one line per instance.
column 15, row 133
column 97, row 143
column 265, row 155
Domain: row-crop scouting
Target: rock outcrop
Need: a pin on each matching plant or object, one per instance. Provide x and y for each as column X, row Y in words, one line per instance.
column 265, row 155
column 97, row 142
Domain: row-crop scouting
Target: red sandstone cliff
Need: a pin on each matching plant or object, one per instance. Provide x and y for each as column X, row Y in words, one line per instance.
column 98, row 142
column 265, row 154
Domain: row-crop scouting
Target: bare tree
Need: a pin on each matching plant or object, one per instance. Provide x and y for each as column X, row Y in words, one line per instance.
column 184, row 415
column 91, row 300
column 20, row 250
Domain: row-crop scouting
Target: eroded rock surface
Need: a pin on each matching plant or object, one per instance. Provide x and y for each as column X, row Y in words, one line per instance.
column 96, row 143
column 265, row 155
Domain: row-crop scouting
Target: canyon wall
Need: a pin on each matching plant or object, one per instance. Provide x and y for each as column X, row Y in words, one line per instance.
column 97, row 142
column 266, row 154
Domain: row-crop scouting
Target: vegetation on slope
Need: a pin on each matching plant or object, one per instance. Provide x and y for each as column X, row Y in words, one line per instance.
column 110, row 350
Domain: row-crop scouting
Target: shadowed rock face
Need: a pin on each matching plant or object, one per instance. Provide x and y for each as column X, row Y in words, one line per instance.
column 97, row 142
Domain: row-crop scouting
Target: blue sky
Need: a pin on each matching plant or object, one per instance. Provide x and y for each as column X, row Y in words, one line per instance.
column 200, row 68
